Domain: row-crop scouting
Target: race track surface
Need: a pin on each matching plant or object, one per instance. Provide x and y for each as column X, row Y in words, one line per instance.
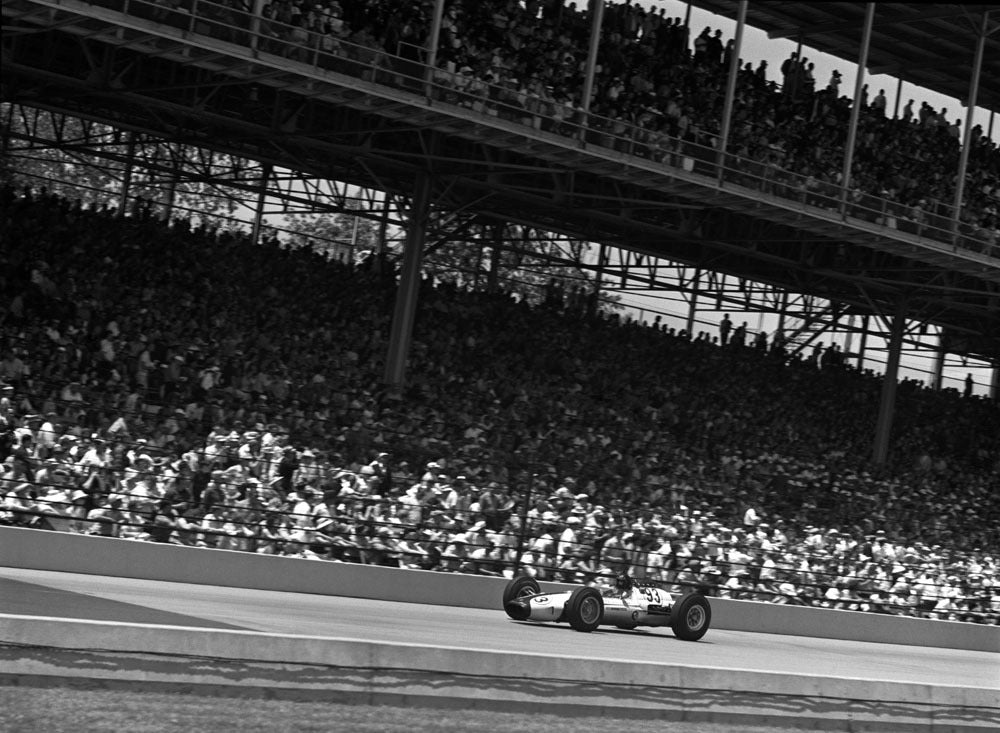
column 29, row 592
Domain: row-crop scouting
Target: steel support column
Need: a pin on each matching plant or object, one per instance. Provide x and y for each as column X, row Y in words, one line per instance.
column 354, row 239
column 496, row 253
column 782, row 312
column 865, row 324
column 168, row 208
column 599, row 270
column 693, row 306
column 175, row 180
column 8, row 125
column 433, row 41
column 480, row 248
column 852, row 130
column 899, row 96
column 887, row 403
column 383, row 226
column 258, row 13
column 734, row 72
column 937, row 371
column 596, row 21
column 127, row 176
column 963, row 159
column 409, row 285
column 995, row 383
column 258, row 214
column 849, row 335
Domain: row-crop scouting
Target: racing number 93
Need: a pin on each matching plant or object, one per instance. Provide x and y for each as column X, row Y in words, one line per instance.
column 652, row 595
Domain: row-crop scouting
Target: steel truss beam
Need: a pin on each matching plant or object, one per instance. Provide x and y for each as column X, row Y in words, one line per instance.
column 206, row 94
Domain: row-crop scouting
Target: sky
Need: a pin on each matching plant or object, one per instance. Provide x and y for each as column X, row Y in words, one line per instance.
column 757, row 46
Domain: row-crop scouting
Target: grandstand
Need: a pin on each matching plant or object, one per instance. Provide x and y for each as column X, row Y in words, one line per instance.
column 308, row 407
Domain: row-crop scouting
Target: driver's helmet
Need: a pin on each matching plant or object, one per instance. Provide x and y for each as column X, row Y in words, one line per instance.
column 623, row 582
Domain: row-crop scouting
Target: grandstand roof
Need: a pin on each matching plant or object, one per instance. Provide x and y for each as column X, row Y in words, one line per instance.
column 931, row 45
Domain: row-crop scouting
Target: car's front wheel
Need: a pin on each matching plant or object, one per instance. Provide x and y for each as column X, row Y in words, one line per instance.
column 585, row 609
column 519, row 587
column 691, row 617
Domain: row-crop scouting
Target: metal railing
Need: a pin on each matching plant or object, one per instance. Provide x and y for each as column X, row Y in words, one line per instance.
column 935, row 221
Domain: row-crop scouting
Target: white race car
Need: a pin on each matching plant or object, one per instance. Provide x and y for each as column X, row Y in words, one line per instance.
column 627, row 605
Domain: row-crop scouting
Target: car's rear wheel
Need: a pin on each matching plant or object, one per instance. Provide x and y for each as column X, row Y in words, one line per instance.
column 691, row 617
column 585, row 609
column 519, row 587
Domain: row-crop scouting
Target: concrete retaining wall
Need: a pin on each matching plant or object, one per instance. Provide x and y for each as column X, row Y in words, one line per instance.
column 40, row 550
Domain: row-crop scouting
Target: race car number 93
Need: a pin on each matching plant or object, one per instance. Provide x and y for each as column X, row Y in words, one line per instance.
column 652, row 595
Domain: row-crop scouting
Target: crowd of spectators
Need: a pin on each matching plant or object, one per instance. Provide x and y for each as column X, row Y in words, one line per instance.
column 659, row 92
column 173, row 384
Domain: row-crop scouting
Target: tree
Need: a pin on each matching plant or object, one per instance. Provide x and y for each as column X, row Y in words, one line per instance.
column 341, row 236
column 528, row 259
column 90, row 161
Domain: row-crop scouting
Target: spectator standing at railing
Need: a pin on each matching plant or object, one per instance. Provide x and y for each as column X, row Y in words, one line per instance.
column 725, row 326
column 878, row 105
column 701, row 43
column 715, row 49
column 789, row 74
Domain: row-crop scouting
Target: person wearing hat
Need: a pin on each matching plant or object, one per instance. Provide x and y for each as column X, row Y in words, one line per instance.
column 250, row 453
column 55, row 497
column 483, row 553
column 71, row 393
column 163, row 523
column 106, row 518
column 310, row 470
column 489, row 506
column 567, row 542
column 273, row 531
column 410, row 550
column 455, row 557
column 18, row 506
column 543, row 546
column 412, row 502
column 380, row 468
column 431, row 472
column 287, row 469
column 46, row 436
column 613, row 557
column 304, row 540
column 214, row 527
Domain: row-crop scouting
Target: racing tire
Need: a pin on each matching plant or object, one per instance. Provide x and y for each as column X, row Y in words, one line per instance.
column 519, row 587
column 585, row 609
column 691, row 617
column 627, row 627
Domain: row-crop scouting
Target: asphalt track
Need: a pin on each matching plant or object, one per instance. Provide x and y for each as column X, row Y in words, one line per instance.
column 65, row 595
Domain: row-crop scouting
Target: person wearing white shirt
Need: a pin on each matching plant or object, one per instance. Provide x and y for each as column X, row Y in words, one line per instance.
column 95, row 457
column 45, row 439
